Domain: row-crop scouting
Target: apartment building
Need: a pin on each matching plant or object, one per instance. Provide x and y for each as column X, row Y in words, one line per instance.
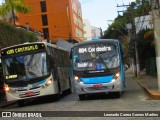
column 96, row 32
column 87, row 29
column 57, row 19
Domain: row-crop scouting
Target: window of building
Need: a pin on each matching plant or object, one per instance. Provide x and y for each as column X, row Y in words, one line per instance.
column 45, row 33
column 43, row 6
column 74, row 7
column 79, row 12
column 44, row 20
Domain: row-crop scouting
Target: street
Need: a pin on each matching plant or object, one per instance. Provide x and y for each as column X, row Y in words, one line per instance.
column 133, row 99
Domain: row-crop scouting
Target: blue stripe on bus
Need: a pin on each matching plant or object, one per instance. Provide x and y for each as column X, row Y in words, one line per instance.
column 39, row 83
column 121, row 67
column 97, row 80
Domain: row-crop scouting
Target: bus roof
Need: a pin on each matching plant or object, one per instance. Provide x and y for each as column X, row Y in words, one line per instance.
column 113, row 41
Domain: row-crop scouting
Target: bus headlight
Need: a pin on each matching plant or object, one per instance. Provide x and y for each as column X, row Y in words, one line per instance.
column 49, row 82
column 116, row 75
column 76, row 78
column 6, row 88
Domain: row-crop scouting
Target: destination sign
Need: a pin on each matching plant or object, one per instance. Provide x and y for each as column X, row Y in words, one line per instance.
column 11, row 76
column 22, row 48
column 93, row 49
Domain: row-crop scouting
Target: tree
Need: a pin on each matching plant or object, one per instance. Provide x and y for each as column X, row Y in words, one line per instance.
column 14, row 6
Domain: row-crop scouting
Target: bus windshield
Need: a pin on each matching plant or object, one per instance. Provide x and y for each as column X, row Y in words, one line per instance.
column 26, row 66
column 96, row 57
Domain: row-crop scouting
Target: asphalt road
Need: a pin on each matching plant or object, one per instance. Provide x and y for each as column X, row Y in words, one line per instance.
column 133, row 99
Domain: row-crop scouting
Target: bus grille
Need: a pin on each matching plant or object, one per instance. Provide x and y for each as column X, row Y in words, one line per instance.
column 24, row 95
column 94, row 89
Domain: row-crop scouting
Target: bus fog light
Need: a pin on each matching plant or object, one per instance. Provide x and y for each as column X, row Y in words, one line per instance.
column 81, row 82
column 113, row 80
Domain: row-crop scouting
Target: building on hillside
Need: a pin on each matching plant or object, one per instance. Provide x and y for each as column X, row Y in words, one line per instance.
column 58, row 19
column 143, row 22
column 96, row 32
column 87, row 29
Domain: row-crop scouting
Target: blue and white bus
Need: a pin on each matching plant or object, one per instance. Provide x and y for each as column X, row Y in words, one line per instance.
column 35, row 69
column 98, row 67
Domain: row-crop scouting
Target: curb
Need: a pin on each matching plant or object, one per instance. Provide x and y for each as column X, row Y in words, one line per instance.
column 152, row 94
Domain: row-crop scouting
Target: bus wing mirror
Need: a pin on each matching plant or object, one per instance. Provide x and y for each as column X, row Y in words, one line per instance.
column 125, row 67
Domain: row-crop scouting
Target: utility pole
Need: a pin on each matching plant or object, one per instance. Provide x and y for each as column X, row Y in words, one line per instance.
column 156, row 23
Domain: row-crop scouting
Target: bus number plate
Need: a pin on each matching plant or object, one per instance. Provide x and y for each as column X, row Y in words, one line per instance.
column 97, row 86
column 29, row 93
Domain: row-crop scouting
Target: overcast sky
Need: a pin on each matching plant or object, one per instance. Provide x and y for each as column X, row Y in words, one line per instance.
column 99, row 11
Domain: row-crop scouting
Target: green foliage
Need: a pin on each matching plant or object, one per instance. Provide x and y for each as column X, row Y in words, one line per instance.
column 10, row 35
column 12, row 6
column 145, row 47
column 131, row 47
column 136, row 9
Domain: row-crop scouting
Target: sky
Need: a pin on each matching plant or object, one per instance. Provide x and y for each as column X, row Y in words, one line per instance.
column 98, row 12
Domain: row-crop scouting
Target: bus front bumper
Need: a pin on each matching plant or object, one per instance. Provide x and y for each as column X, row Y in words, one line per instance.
column 113, row 86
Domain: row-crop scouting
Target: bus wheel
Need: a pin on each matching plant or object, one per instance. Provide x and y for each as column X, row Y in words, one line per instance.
column 20, row 103
column 81, row 97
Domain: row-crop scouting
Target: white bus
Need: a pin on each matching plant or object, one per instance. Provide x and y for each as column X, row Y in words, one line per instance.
column 35, row 69
column 98, row 67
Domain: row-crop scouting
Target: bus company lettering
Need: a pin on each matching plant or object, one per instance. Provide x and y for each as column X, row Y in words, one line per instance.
column 90, row 49
column 22, row 49
column 84, row 64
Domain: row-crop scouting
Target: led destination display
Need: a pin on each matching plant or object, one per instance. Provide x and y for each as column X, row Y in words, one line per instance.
column 21, row 49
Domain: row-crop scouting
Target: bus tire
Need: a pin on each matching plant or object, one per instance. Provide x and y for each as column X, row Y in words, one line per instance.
column 20, row 103
column 81, row 97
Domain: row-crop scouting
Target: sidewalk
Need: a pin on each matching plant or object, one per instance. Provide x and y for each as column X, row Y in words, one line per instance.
column 150, row 84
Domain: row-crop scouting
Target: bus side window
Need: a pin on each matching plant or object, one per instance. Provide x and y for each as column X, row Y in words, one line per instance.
column 55, row 63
